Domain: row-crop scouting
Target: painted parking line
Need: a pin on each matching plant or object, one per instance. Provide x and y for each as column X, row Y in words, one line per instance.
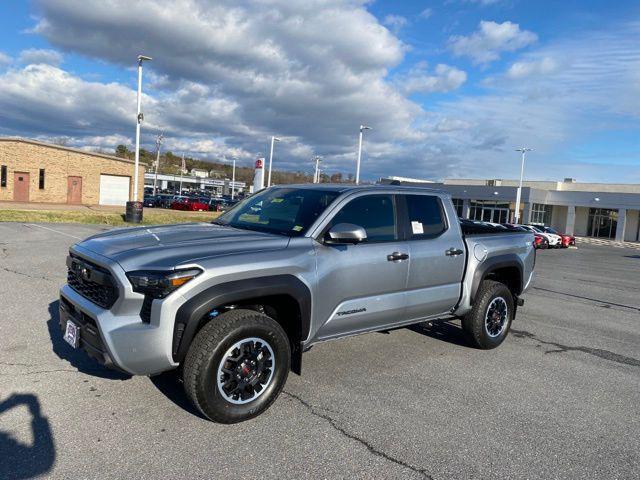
column 52, row 230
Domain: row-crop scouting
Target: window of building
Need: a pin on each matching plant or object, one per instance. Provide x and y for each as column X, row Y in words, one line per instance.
column 3, row 176
column 425, row 216
column 489, row 211
column 41, row 179
column 603, row 222
column 540, row 214
column 374, row 213
column 458, row 205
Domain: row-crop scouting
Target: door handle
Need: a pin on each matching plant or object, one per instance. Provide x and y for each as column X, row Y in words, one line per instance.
column 397, row 256
column 453, row 252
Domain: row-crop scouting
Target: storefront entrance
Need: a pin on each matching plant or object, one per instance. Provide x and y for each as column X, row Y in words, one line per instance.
column 488, row 211
column 603, row 223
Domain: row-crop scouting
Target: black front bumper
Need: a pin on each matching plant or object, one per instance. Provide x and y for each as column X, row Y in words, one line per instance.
column 90, row 340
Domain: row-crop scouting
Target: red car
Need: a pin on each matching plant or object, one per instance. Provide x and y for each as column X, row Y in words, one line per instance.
column 190, row 204
column 567, row 240
column 540, row 241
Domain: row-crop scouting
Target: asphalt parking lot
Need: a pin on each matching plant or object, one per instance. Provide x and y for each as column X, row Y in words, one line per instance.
column 559, row 399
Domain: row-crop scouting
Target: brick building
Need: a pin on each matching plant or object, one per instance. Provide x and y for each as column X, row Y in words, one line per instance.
column 33, row 171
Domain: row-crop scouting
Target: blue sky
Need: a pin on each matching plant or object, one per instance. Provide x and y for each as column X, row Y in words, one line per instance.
column 450, row 87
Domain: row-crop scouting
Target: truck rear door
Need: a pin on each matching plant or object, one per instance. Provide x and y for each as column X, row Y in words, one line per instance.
column 436, row 254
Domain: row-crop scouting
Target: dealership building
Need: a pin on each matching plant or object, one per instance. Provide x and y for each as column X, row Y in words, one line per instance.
column 599, row 210
column 34, row 171
column 192, row 182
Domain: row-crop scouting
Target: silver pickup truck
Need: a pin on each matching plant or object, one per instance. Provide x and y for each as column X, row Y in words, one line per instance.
column 234, row 303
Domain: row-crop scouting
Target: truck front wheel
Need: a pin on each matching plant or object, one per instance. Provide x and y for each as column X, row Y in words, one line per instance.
column 487, row 324
column 237, row 366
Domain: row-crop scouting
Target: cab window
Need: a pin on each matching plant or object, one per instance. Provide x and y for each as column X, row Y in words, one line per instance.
column 374, row 213
column 426, row 216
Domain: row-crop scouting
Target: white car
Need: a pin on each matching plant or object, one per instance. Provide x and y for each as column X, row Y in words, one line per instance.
column 554, row 240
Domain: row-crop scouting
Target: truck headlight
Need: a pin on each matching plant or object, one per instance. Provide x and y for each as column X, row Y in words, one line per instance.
column 159, row 284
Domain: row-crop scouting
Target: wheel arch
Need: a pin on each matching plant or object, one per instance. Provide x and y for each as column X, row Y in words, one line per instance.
column 507, row 269
column 283, row 297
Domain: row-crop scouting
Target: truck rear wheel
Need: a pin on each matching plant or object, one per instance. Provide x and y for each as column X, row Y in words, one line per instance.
column 487, row 324
column 237, row 366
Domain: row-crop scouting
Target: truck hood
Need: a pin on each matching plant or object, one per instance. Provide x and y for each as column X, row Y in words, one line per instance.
column 169, row 246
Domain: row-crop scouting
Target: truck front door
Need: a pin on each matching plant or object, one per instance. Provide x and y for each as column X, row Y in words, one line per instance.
column 362, row 287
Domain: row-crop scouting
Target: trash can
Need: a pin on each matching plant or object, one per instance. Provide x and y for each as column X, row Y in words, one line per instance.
column 133, row 212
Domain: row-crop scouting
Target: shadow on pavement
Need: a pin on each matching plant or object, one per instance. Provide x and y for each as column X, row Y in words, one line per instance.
column 77, row 358
column 19, row 460
column 445, row 331
column 170, row 386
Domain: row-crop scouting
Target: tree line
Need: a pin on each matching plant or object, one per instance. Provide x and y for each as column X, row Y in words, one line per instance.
column 170, row 164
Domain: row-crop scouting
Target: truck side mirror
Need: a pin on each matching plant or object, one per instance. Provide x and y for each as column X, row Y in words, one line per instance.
column 345, row 233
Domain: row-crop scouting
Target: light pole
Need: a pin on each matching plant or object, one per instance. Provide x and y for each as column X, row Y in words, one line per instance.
column 273, row 140
column 139, row 118
column 182, row 172
column 316, row 175
column 155, row 178
column 233, row 179
column 516, row 217
column 362, row 128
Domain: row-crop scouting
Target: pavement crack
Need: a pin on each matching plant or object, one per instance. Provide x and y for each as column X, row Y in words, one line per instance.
column 603, row 303
column 334, row 424
column 597, row 352
column 34, row 277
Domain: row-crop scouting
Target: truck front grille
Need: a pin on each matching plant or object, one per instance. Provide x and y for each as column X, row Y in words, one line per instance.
column 92, row 282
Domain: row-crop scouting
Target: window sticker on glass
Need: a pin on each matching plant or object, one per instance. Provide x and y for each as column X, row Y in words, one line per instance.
column 297, row 228
column 416, row 228
column 277, row 200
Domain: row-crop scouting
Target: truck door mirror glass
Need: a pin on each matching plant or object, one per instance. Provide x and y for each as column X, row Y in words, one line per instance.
column 346, row 233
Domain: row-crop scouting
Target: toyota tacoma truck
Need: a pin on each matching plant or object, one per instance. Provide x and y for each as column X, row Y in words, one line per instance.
column 234, row 303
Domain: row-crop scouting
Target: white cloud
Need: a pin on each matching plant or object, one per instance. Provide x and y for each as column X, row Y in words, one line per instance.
column 426, row 13
column 310, row 71
column 543, row 66
column 5, row 59
column 444, row 79
column 34, row 56
column 490, row 40
column 395, row 22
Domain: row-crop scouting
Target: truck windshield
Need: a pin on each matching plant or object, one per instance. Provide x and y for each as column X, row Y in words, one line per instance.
column 285, row 211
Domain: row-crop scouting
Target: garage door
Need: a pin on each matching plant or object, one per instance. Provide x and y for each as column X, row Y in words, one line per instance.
column 114, row 190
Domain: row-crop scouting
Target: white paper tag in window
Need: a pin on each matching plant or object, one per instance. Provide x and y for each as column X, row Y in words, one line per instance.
column 416, row 228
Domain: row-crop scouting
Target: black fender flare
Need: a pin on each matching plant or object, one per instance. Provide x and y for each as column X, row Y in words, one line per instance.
column 492, row 264
column 191, row 315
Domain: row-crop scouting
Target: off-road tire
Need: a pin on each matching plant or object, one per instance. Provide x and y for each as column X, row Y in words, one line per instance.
column 207, row 350
column 473, row 323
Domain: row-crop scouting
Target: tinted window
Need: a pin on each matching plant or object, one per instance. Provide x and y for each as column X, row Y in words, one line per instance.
column 374, row 213
column 41, row 179
column 288, row 211
column 3, row 176
column 425, row 216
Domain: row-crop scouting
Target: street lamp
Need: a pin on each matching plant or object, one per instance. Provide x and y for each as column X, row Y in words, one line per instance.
column 139, row 118
column 362, row 128
column 273, row 140
column 233, row 177
column 159, row 139
column 516, row 217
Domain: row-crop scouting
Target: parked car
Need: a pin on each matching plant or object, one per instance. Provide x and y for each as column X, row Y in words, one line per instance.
column 236, row 302
column 540, row 242
column 565, row 240
column 164, row 200
column 554, row 240
column 190, row 204
column 149, row 201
